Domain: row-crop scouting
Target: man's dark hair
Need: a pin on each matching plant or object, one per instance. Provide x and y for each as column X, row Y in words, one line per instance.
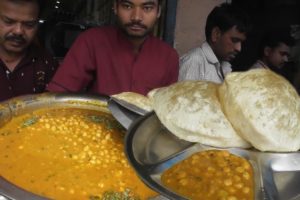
column 159, row 1
column 226, row 16
column 40, row 3
column 273, row 38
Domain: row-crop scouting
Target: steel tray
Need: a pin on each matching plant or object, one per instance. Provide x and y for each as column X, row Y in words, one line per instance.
column 28, row 103
column 151, row 149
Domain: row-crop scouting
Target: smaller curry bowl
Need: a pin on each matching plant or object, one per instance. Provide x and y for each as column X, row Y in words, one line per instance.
column 64, row 146
column 154, row 153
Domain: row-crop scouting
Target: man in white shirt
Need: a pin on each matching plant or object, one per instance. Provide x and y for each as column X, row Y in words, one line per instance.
column 226, row 28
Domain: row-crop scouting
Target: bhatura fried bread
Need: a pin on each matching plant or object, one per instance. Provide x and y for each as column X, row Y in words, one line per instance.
column 191, row 110
column 264, row 108
column 135, row 99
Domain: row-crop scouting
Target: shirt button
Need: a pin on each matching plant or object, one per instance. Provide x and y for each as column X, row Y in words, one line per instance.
column 22, row 74
column 9, row 87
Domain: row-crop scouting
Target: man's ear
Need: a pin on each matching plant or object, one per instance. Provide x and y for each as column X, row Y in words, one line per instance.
column 215, row 34
column 159, row 11
column 267, row 51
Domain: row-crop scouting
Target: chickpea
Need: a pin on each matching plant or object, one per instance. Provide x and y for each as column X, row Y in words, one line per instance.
column 246, row 175
column 211, row 169
column 182, row 175
column 239, row 169
column 228, row 182
column 246, row 190
column 237, row 178
column 222, row 193
column 183, row 182
column 231, row 198
column 239, row 185
column 226, row 169
column 232, row 190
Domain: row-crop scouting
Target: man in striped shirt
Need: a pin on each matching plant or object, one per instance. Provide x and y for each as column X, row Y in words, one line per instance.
column 226, row 28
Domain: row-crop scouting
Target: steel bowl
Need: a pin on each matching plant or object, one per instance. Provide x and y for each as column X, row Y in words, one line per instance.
column 28, row 103
column 151, row 149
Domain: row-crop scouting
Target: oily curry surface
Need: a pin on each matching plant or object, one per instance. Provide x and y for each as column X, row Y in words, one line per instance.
column 69, row 154
column 211, row 175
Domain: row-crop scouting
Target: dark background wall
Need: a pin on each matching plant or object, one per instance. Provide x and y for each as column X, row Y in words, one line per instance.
column 266, row 15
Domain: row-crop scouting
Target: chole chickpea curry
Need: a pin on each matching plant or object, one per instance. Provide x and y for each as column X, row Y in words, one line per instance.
column 69, row 154
column 211, row 175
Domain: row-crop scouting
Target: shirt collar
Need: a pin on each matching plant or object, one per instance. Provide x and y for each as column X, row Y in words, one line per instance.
column 262, row 64
column 210, row 55
column 226, row 66
column 123, row 40
column 30, row 57
column 212, row 58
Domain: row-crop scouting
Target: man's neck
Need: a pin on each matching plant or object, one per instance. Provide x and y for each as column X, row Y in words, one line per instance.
column 11, row 60
column 270, row 66
column 137, row 44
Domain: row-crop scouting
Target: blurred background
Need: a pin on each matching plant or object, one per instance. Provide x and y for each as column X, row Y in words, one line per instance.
column 181, row 25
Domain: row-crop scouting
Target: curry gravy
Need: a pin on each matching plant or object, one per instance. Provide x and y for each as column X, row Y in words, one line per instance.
column 212, row 175
column 68, row 154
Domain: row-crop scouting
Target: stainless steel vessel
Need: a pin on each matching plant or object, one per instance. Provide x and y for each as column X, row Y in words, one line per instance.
column 25, row 104
column 152, row 149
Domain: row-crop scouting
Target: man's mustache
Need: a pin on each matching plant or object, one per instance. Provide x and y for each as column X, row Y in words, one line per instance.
column 16, row 38
column 136, row 24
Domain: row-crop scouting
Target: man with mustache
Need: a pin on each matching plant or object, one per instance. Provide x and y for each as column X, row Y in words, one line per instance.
column 110, row 60
column 25, row 68
column 225, row 30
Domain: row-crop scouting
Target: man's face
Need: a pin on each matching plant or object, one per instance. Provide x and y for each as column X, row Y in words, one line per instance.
column 277, row 56
column 137, row 17
column 18, row 25
column 228, row 44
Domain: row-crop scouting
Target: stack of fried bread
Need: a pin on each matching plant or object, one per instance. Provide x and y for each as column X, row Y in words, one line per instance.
column 255, row 108
column 264, row 109
column 191, row 110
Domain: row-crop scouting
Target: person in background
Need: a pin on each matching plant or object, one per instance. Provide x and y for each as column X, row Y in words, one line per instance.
column 25, row 67
column 274, row 50
column 114, row 59
column 226, row 28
